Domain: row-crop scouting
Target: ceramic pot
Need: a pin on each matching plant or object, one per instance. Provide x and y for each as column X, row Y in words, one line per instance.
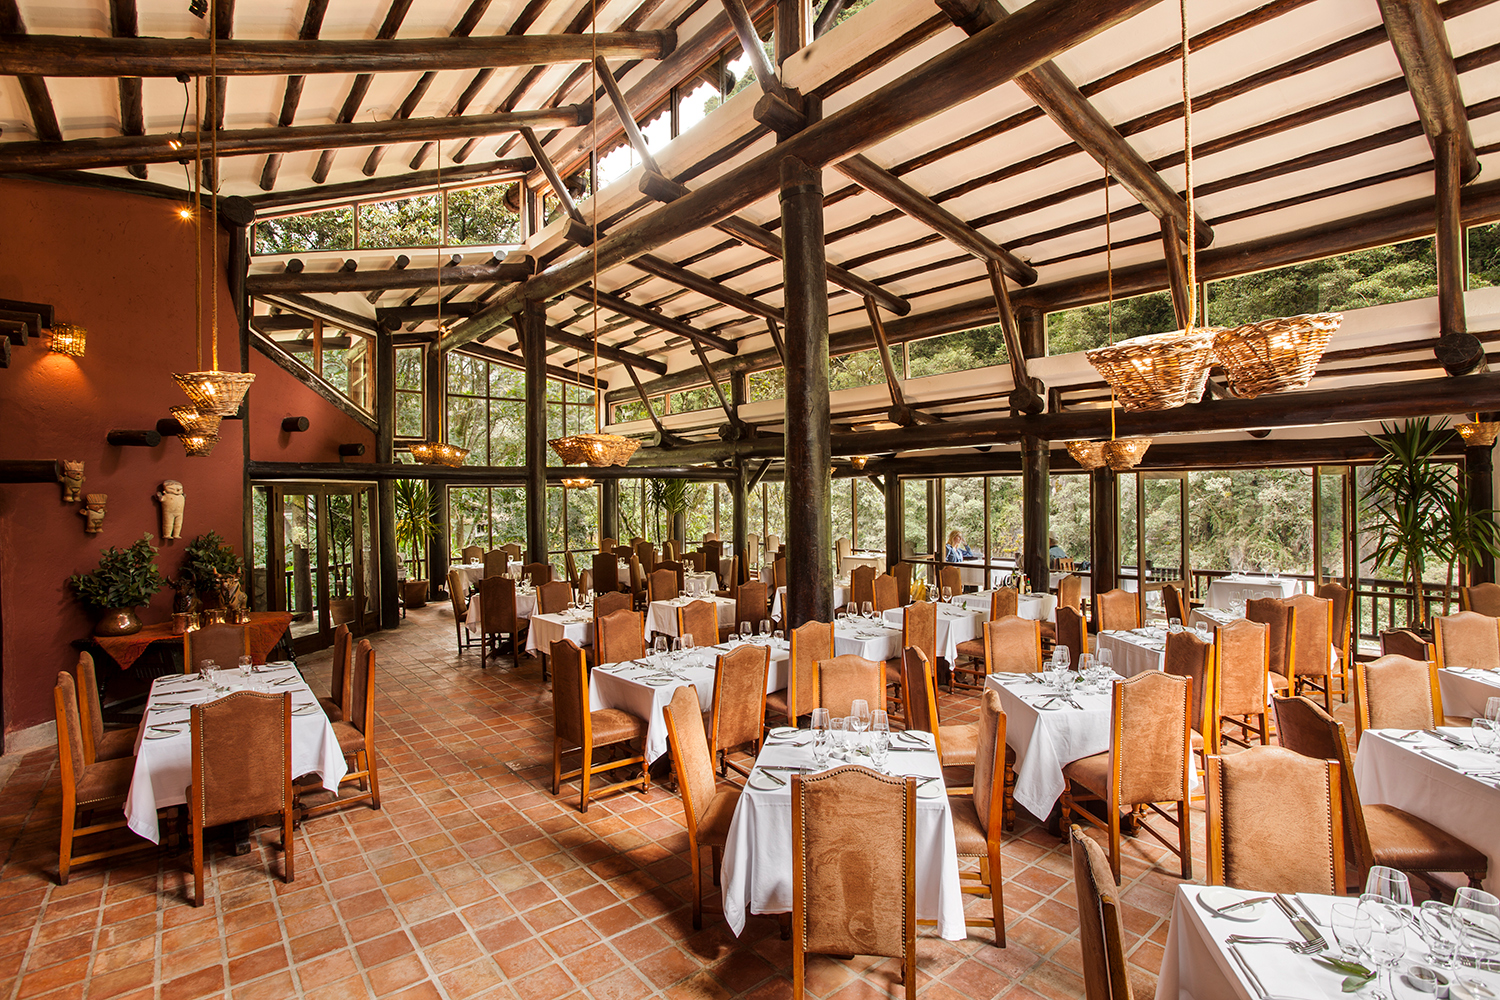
column 118, row 621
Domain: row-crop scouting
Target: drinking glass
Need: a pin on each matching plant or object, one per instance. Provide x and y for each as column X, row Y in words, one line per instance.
column 1086, row 663
column 1388, row 884
column 688, row 645
column 1387, row 945
column 1440, row 932
column 778, row 635
column 206, row 668
column 1485, row 734
column 838, row 726
column 1106, row 658
column 880, row 738
column 765, row 629
column 1478, row 916
column 247, row 666
column 659, row 645
column 1061, row 657
column 677, row 648
column 1351, row 929
column 859, row 717
column 746, row 631
column 853, row 609
column 1492, row 709
column 867, row 609
column 820, row 736
column 947, row 595
column 1174, row 624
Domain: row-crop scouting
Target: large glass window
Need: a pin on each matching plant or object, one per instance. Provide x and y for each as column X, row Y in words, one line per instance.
column 963, row 512
column 409, row 395
column 484, row 216
column 957, row 352
column 407, row 222
column 1005, row 517
column 869, row 516
column 331, row 229
column 487, row 516
column 1349, row 281
column 1088, row 327
column 1250, row 520
column 1484, row 256
column 916, row 528
column 1069, row 520
column 351, row 369
column 487, row 410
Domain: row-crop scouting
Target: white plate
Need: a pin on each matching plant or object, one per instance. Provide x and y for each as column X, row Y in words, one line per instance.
column 761, row 781
column 936, row 790
column 784, row 731
column 1219, row 898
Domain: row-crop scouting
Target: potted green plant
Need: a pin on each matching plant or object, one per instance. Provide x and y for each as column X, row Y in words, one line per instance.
column 124, row 580
column 671, row 497
column 206, row 560
column 416, row 524
column 1409, row 497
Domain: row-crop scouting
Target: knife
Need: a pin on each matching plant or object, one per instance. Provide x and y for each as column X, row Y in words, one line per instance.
column 1450, row 740
column 1299, row 922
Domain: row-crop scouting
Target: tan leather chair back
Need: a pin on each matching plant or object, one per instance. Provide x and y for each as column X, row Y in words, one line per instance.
column 512, row 551
column 670, row 549
column 473, row 554
column 1151, row 747
column 338, row 671
column 570, row 692
column 901, row 572
column 585, row 583
column 812, row 642
column 1405, row 642
column 90, row 712
column 1013, row 645
column 360, row 712
column 862, row 585
column 496, row 562
column 606, row 572
column 750, row 603
column 71, row 755
column 989, row 766
column 637, row 578
column 752, row 549
column 1261, row 801
column 571, row 565
column 663, row 585
column 778, row 571
column 1467, row 639
column 694, row 559
column 739, row 708
column 608, row 603
column 712, row 552
column 1396, row 692
column 553, row 597
column 619, row 637
column 1071, row 631
column 635, row 541
column 699, row 619
column 951, row 579
column 1004, row 602
column 1070, row 591
column 678, row 569
column 1303, row 727
column 1191, row 657
column 844, row 678
column 1172, row 600
column 919, row 628
column 224, row 644
column 241, row 757
column 607, row 544
column 1101, row 929
column 886, row 592
column 1314, row 634
column 1117, row 611
column 1280, row 621
column 1242, row 656
column 843, row 548
column 497, row 605
column 1338, row 595
column 1483, row 598
column 455, row 595
column 538, row 573
column 918, row 692
column 646, row 553
column 691, row 759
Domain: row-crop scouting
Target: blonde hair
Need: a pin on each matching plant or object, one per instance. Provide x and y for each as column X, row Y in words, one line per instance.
column 954, row 536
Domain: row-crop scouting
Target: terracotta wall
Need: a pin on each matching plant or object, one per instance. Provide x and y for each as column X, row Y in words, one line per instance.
column 122, row 267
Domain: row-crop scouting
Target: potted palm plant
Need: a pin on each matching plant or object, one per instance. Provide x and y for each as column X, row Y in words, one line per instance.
column 672, row 498
column 416, row 524
column 1409, row 501
column 124, row 580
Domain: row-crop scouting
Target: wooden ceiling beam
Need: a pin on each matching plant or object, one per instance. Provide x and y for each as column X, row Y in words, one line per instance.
column 384, row 186
column 567, row 338
column 394, row 316
column 312, row 24
column 33, row 86
column 661, row 321
column 715, row 290
column 124, row 23
column 1417, row 33
column 361, row 86
column 401, row 263
column 84, row 154
column 364, row 281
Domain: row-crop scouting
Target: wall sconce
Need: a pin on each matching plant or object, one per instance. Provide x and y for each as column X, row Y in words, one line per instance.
column 69, row 339
column 293, row 425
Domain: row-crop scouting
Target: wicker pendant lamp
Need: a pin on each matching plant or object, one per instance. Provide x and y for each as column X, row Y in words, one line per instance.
column 439, row 451
column 598, row 448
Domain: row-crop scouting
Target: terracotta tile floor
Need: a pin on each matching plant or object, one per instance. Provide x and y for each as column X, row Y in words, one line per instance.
column 473, row 881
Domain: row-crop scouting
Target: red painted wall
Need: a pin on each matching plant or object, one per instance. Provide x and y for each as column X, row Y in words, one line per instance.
column 122, row 267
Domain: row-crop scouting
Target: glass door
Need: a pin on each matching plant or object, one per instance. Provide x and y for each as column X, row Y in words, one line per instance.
column 320, row 559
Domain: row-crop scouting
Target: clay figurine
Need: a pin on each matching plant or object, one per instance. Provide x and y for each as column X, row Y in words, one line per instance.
column 231, row 593
column 186, row 599
column 93, row 512
column 172, row 501
column 71, row 478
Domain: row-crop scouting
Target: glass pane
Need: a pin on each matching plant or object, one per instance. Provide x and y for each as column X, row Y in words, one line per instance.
column 1331, row 522
column 508, row 507
column 409, row 414
column 756, row 513
column 468, row 519
column 1484, row 256
column 1125, row 539
column 916, row 530
column 1069, row 520
column 409, row 368
column 963, row 512
column 869, row 501
column 958, row 352
column 766, row 385
column 842, row 510
column 468, row 428
column 776, row 509
column 630, row 509
column 466, row 374
column 341, row 557
column 1163, row 520
column 329, row 230
column 1088, row 327
column 484, row 216
column 260, row 594
column 1251, row 520
column 506, row 381
column 1005, row 519
column 508, row 433
column 700, row 514
column 1349, row 281
column 583, row 524
column 853, row 371
column 409, row 222
column 300, row 516
column 368, row 548
column 697, row 101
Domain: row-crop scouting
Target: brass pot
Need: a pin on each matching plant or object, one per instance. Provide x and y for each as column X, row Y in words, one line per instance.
column 118, row 621
column 182, row 622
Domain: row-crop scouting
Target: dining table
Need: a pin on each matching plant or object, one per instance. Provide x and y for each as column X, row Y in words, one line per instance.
column 1465, row 690
column 842, row 593
column 469, row 574
column 163, row 752
column 1445, row 779
column 525, row 608
column 644, row 687
column 955, row 624
column 1032, row 607
column 1135, row 651
column 1226, row 590
column 544, row 630
column 1048, row 732
column 1200, row 963
column 756, row 873
column 872, row 638
column 661, row 616
column 1211, row 618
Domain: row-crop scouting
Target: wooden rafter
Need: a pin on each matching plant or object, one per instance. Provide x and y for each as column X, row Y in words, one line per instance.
column 361, row 85
column 124, row 23
column 364, row 281
column 1417, row 33
column 312, row 24
column 385, row 186
column 659, row 320
column 33, row 86
column 400, row 264
column 579, row 342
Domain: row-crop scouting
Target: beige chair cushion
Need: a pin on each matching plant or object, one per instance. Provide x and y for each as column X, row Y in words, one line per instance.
column 611, row 725
column 972, row 647
column 105, row 780
column 960, row 744
column 713, row 825
column 1406, row 842
column 1091, row 772
column 117, row 743
column 967, row 833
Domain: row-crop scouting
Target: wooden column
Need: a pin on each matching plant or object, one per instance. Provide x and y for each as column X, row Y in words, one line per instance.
column 894, row 535
column 809, row 532
column 533, row 329
column 236, row 267
column 1035, row 502
column 434, row 374
column 1479, row 469
column 739, row 495
column 1033, row 324
column 385, row 451
column 1459, row 351
column 609, row 508
column 1104, row 513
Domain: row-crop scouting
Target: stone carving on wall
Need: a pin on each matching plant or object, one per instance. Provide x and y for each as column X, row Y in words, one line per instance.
column 93, row 512
column 172, row 501
column 71, row 478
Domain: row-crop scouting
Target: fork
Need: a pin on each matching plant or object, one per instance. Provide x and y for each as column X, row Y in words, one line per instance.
column 1300, row 947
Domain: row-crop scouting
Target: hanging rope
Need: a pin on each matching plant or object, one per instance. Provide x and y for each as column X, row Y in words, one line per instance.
column 1109, row 279
column 198, row 216
column 594, row 193
column 213, row 73
column 1187, row 160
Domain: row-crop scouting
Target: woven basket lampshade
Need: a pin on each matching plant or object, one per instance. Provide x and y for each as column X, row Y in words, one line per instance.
column 438, row 453
column 1159, row 371
column 1274, row 355
column 215, row 391
column 1123, row 454
column 1479, row 434
column 200, row 431
column 69, row 339
column 595, row 449
column 1089, row 454
column 578, row 483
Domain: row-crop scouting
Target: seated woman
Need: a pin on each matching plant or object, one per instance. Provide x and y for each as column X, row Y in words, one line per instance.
column 957, row 551
column 1054, row 550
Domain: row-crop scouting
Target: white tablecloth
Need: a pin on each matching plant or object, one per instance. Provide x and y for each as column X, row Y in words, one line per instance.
column 163, row 766
column 1133, row 653
column 1045, row 740
column 1424, row 776
column 705, row 581
column 624, row 686
column 469, row 574
column 954, row 625
column 874, row 560
column 1465, row 690
column 1033, row 607
column 547, row 629
column 757, row 869
column 874, row 640
column 841, row 594
column 1237, row 587
column 1210, row 618
column 525, row 608
column 662, row 616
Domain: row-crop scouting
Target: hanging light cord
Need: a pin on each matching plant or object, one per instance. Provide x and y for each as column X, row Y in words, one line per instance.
column 198, row 216
column 213, row 72
column 594, row 193
column 1109, row 302
column 1187, row 161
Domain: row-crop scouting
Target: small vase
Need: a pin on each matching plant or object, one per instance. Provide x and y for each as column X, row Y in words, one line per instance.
column 118, row 621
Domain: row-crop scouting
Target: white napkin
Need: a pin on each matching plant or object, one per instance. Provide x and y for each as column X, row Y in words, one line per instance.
column 1279, row 974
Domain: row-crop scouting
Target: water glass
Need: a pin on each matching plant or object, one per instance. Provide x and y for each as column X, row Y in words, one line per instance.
column 659, row 645
column 1061, row 657
column 838, row 727
column 947, row 595
column 1492, row 709
column 747, row 631
column 1440, row 932
column 1478, row 916
column 1106, row 658
column 853, row 609
column 859, row 717
column 867, row 609
column 1351, row 930
column 1485, row 734
column 880, row 739
column 820, row 736
column 1086, row 663
column 1388, row 884
column 677, row 649
column 765, row 629
column 1387, row 944
column 1174, row 624
column 778, row 635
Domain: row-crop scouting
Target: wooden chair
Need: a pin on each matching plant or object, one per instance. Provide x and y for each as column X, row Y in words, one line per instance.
column 1280, row 620
column 460, row 611
column 901, row 573
column 1275, row 822
column 886, row 594
column 732, row 577
column 695, row 560
column 1191, row 657
column 707, row 807
column 1172, row 601
column 101, row 744
column 1146, row 764
column 356, row 735
column 1106, row 976
column 637, row 582
column 979, row 818
column 1483, row 598
column 1004, row 602
column 1405, row 642
column 854, row 869
column 699, row 619
column 679, row 570
column 571, row 565
column 606, row 574
column 949, row 578
column 778, row 573
column 607, row 544
column 862, row 585
column 537, row 572
column 844, row 679
column 738, row 715
column 1115, row 611
column 1012, row 645
column 1311, row 666
column 606, row 604
column 512, row 551
column 773, row 546
column 553, row 598
column 497, row 611
column 1378, row 834
column 496, row 563
column 750, row 604
column 1072, row 632
column 619, row 637
column 662, row 586
column 1070, row 592
column 1467, row 639
column 956, row 746
column 337, row 702
column 919, row 629
column 752, row 549
column 646, row 553
column 473, row 554
column 811, row 642
column 241, row 769
column 576, row 729
column 1395, row 692
column 224, row 644
column 843, row 548
column 93, row 788
column 1242, row 654
column 1338, row 597
column 671, row 550
column 712, row 552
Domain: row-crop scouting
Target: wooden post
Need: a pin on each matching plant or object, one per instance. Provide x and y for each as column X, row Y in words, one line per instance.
column 385, row 451
column 1035, row 502
column 533, row 330
column 739, row 494
column 809, row 533
column 609, row 508
column 1479, row 468
column 1459, row 351
column 1033, row 324
column 434, row 374
column 1104, row 514
column 894, row 535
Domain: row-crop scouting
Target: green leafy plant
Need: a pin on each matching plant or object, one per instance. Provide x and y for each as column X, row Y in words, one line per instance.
column 416, row 517
column 207, row 558
column 669, row 497
column 1409, row 498
column 125, row 578
column 1468, row 537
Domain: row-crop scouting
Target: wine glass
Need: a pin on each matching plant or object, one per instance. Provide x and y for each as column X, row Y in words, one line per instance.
column 247, row 665
column 1106, row 658
column 1387, row 945
column 853, row 609
column 838, row 726
column 1478, row 916
column 778, row 635
column 1492, row 709
column 1440, row 932
column 880, row 738
column 1061, row 657
column 765, row 629
column 947, row 594
column 1174, row 624
column 859, row 717
column 1485, row 734
column 746, row 631
column 1086, row 663
column 820, row 736
column 1351, row 929
column 1389, row 885
column 659, row 645
column 677, row 649
column 867, row 609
